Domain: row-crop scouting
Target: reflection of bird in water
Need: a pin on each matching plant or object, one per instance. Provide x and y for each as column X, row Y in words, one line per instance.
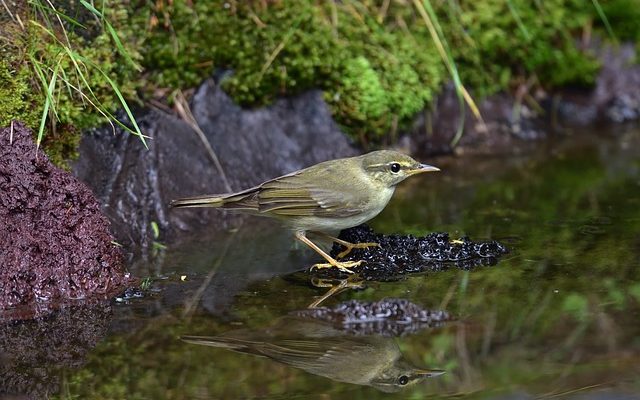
column 321, row 349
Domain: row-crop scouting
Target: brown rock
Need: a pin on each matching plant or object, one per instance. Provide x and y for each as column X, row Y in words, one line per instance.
column 55, row 244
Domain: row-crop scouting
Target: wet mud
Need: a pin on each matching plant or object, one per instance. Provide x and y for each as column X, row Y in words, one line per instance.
column 55, row 244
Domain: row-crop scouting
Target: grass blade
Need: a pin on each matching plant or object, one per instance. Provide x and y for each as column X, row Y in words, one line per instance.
column 114, row 35
column 604, row 19
column 518, row 20
column 430, row 19
column 47, row 103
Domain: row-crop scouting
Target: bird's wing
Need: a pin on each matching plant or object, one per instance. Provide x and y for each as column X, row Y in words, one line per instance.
column 317, row 355
column 330, row 194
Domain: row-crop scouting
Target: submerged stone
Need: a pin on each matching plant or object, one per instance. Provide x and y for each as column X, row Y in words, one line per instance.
column 403, row 254
column 55, row 243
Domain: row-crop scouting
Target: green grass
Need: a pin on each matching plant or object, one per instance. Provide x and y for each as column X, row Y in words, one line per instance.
column 72, row 70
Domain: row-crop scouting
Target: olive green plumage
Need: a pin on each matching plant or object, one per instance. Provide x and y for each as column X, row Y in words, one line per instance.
column 326, row 197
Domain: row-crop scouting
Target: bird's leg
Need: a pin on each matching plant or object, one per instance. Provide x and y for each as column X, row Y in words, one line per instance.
column 349, row 246
column 342, row 285
column 343, row 266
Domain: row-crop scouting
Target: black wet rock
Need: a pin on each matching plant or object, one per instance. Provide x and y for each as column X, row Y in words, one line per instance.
column 55, row 244
column 403, row 254
column 135, row 185
column 387, row 317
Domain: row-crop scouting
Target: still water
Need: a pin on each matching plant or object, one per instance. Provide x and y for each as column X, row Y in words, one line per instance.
column 558, row 317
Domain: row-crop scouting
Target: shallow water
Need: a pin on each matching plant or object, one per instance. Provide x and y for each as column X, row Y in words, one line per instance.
column 557, row 317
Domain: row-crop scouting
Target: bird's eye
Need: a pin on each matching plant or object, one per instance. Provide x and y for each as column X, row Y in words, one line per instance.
column 403, row 380
column 395, row 168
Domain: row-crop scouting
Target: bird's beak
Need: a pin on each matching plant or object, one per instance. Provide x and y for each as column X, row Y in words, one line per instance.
column 429, row 373
column 423, row 168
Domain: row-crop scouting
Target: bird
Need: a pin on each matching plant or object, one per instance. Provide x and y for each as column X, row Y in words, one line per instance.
column 324, row 198
column 320, row 348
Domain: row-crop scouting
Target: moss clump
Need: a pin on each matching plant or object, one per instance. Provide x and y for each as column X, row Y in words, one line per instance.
column 499, row 42
column 377, row 65
column 82, row 55
column 624, row 18
column 368, row 72
column 17, row 100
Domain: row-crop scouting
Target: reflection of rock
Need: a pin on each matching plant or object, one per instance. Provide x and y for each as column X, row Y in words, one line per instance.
column 387, row 317
column 321, row 349
column 402, row 254
column 54, row 242
column 136, row 185
column 33, row 353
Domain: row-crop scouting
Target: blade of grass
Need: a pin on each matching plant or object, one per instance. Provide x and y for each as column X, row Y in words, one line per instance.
column 516, row 17
column 182, row 105
column 67, row 18
column 136, row 129
column 78, row 60
column 428, row 15
column 604, row 19
column 278, row 49
column 44, row 84
column 47, row 104
column 114, row 35
column 107, row 116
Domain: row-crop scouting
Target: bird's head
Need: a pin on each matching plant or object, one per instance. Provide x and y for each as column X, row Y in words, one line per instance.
column 400, row 375
column 391, row 167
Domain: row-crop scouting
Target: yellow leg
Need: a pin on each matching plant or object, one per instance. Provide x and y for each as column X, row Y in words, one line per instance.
column 343, row 266
column 342, row 285
column 349, row 246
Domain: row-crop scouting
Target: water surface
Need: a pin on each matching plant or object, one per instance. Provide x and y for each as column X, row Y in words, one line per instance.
column 557, row 317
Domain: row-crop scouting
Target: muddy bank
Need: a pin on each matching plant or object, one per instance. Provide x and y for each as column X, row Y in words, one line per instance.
column 55, row 244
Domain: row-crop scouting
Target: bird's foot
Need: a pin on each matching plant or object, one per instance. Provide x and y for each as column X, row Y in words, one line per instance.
column 351, row 246
column 344, row 266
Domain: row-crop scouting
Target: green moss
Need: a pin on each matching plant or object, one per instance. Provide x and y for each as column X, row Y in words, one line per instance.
column 369, row 73
column 500, row 41
column 377, row 66
column 81, row 54
column 17, row 100
column 623, row 15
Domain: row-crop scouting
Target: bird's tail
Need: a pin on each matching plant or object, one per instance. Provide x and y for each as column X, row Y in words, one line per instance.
column 213, row 341
column 200, row 201
column 242, row 200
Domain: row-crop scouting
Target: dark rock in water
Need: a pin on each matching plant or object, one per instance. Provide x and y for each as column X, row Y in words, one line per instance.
column 32, row 353
column 55, row 244
column 399, row 255
column 136, row 185
column 387, row 317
